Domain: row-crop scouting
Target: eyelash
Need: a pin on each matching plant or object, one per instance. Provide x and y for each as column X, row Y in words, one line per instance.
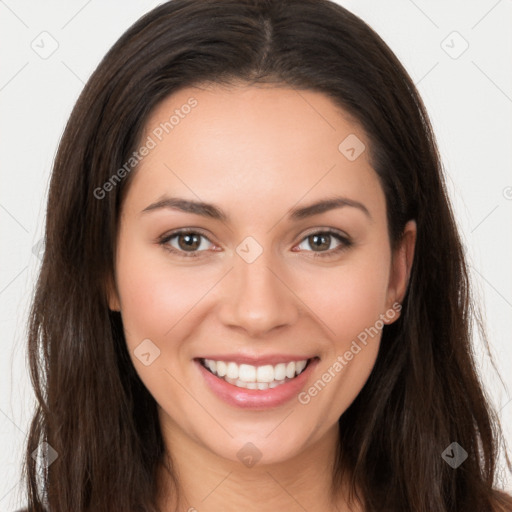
column 345, row 242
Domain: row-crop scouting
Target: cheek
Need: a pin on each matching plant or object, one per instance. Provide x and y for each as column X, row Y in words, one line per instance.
column 350, row 297
column 350, row 305
column 350, row 301
column 157, row 304
column 155, row 295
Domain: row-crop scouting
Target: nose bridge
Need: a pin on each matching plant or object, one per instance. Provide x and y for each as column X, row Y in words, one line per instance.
column 257, row 300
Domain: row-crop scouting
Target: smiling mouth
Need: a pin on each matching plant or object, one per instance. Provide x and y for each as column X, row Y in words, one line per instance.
column 255, row 377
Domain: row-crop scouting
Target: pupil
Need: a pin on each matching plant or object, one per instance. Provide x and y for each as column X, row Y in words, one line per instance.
column 191, row 241
column 323, row 241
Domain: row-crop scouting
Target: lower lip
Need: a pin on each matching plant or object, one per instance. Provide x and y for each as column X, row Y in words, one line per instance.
column 255, row 398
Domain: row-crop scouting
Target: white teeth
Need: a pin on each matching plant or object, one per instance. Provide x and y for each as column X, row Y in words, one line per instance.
column 255, row 377
column 299, row 366
column 280, row 371
column 232, row 371
column 212, row 365
column 290, row 370
column 247, row 373
column 254, row 385
column 265, row 373
column 222, row 368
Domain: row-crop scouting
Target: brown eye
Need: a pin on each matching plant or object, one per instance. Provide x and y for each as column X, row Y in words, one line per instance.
column 189, row 241
column 321, row 243
column 185, row 243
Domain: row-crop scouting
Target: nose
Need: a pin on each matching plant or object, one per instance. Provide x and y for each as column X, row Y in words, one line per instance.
column 258, row 298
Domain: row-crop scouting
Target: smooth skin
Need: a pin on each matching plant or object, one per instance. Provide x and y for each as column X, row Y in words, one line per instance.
column 256, row 153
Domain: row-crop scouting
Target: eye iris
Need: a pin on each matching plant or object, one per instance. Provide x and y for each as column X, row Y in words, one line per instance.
column 191, row 240
column 321, row 240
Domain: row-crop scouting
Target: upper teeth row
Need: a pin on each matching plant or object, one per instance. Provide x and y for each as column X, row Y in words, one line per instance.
column 250, row 373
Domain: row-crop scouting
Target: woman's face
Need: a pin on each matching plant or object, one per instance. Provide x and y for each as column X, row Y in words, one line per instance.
column 285, row 259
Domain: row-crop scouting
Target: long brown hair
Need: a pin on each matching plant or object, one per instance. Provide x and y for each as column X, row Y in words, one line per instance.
column 423, row 393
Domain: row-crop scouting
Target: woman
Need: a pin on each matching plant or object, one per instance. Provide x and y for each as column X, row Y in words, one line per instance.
column 254, row 294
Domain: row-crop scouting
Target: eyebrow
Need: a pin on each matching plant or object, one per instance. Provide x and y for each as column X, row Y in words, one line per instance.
column 214, row 212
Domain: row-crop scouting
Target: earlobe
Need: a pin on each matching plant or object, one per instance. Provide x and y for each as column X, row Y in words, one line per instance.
column 112, row 297
column 401, row 266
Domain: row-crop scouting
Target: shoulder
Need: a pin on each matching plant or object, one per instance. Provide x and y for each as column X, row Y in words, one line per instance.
column 502, row 502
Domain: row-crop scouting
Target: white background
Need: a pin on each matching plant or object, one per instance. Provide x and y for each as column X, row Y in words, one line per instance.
column 469, row 99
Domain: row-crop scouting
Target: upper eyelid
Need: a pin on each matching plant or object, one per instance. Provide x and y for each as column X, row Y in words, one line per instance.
column 332, row 231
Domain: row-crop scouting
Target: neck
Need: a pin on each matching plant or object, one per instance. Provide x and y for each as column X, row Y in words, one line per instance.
column 208, row 482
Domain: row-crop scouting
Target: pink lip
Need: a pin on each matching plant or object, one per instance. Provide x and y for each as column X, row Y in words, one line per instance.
column 272, row 359
column 254, row 398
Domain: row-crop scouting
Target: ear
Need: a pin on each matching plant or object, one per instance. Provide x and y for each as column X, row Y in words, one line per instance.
column 113, row 296
column 401, row 265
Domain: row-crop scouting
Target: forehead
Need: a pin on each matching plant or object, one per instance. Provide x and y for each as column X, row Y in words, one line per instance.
column 248, row 144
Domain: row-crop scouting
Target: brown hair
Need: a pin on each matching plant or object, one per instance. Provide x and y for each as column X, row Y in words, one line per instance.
column 423, row 393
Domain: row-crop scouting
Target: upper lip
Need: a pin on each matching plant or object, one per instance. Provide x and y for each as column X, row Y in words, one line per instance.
column 261, row 360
